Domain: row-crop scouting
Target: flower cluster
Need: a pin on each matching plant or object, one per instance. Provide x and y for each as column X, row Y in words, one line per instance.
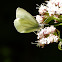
column 46, row 31
column 39, row 18
column 53, row 7
column 46, row 36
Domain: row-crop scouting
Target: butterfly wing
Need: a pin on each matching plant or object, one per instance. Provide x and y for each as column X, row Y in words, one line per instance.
column 25, row 22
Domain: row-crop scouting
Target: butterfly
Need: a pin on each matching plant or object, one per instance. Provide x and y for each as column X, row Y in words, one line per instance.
column 25, row 22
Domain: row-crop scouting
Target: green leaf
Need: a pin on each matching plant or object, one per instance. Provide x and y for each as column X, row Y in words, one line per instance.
column 25, row 22
column 59, row 46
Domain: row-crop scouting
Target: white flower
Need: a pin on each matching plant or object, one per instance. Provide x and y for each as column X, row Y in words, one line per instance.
column 43, row 41
column 56, row 39
column 55, row 1
column 46, row 31
column 53, row 38
column 60, row 5
column 39, row 19
column 42, row 9
column 50, row 39
column 52, row 29
column 40, row 34
column 54, row 7
column 60, row 10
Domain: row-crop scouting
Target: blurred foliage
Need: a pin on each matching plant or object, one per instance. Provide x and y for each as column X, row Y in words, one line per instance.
column 5, row 53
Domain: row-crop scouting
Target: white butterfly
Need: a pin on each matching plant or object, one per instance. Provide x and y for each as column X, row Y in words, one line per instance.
column 25, row 22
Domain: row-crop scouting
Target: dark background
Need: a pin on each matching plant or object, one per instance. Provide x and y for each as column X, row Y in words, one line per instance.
column 17, row 47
